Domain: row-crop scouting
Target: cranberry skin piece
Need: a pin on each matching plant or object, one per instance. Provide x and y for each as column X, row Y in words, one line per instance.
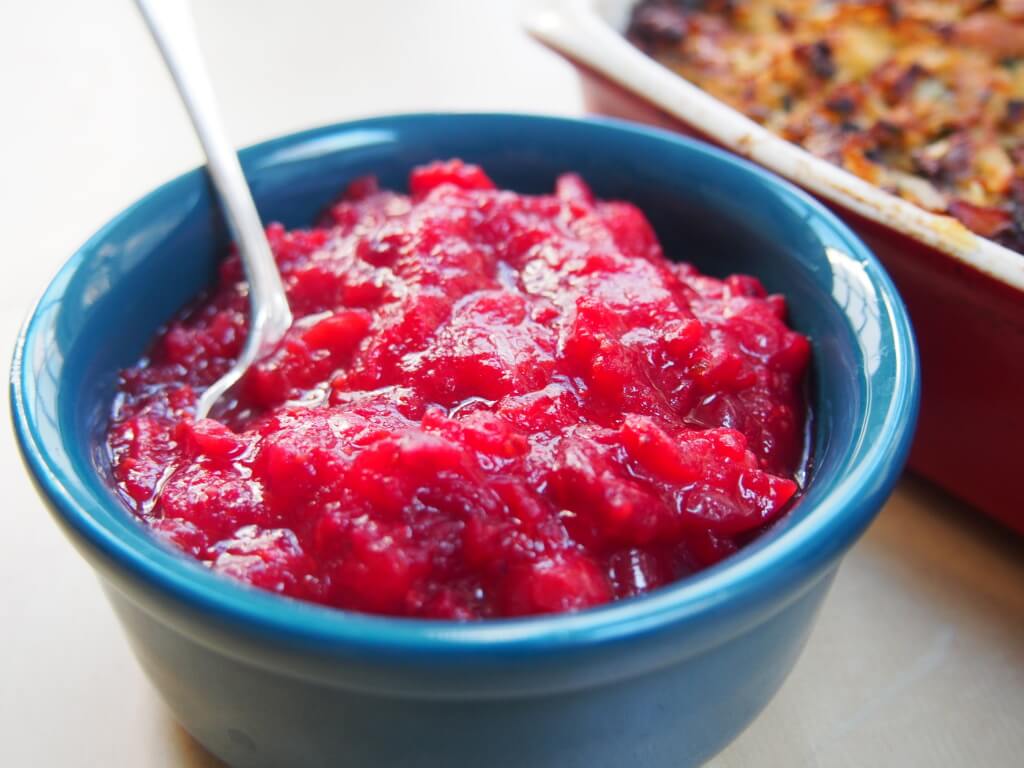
column 566, row 583
column 635, row 571
column 462, row 175
column 269, row 559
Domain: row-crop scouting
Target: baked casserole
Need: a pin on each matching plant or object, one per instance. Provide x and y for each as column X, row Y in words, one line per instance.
column 924, row 98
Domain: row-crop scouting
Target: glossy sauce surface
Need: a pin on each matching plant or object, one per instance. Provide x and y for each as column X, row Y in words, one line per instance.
column 490, row 404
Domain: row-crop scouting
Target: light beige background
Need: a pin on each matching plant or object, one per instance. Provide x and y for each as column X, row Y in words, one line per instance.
column 918, row 657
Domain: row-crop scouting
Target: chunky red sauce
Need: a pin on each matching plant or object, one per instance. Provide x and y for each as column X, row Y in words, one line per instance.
column 490, row 404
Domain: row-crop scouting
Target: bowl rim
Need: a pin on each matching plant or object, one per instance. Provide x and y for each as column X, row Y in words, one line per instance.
column 777, row 567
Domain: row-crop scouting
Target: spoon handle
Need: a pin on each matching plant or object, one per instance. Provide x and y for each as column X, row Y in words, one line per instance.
column 170, row 23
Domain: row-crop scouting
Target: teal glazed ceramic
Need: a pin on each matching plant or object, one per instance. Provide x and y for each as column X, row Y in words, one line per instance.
column 661, row 681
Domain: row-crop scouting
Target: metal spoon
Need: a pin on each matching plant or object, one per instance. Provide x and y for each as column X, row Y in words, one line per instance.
column 171, row 25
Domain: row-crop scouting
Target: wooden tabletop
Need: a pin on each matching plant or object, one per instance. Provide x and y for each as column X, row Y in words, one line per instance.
column 918, row 655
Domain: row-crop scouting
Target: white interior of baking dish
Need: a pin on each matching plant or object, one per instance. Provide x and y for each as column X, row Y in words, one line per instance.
column 590, row 32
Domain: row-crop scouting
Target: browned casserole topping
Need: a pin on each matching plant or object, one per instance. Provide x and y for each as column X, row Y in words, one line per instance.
column 924, row 98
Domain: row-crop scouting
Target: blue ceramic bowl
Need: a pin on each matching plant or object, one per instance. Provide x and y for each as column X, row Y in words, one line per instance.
column 658, row 681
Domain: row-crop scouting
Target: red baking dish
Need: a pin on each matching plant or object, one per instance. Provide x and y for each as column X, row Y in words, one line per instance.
column 965, row 293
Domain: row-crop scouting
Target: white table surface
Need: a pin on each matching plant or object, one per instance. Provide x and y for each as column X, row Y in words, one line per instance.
column 918, row 656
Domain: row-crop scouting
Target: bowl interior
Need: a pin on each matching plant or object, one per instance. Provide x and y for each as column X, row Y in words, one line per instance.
column 720, row 213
